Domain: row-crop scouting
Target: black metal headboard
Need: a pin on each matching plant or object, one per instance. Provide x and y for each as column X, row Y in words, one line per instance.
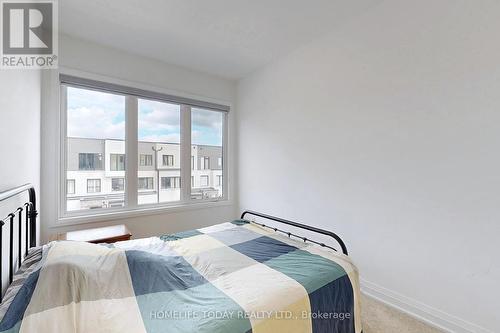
column 298, row 225
column 30, row 214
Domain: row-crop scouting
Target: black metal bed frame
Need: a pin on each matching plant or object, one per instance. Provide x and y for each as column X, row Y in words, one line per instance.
column 30, row 215
column 297, row 225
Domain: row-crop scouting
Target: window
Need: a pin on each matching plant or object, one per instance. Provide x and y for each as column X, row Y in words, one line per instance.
column 146, row 160
column 170, row 182
column 117, row 184
column 205, row 163
column 145, row 183
column 93, row 185
column 207, row 133
column 117, row 162
column 94, row 129
column 168, row 160
column 89, row 161
column 204, row 180
column 97, row 127
column 219, row 180
column 160, row 132
column 70, row 186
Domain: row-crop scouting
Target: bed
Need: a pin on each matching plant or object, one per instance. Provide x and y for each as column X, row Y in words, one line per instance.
column 237, row 276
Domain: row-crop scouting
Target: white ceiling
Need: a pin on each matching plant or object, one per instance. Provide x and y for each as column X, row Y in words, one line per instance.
column 228, row 38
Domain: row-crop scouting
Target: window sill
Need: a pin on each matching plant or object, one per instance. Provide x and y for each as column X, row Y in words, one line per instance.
column 129, row 213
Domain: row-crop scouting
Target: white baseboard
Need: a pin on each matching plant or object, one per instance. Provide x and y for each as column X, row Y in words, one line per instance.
column 425, row 313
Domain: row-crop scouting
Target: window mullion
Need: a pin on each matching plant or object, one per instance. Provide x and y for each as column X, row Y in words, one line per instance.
column 63, row 146
column 131, row 151
column 185, row 153
column 225, row 158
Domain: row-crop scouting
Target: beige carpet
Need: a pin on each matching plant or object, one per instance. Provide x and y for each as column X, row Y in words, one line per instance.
column 380, row 318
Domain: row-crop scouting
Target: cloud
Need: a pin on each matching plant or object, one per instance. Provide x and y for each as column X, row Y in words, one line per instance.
column 158, row 121
column 95, row 123
column 78, row 97
column 205, row 118
column 167, row 138
column 206, row 127
column 158, row 116
column 93, row 114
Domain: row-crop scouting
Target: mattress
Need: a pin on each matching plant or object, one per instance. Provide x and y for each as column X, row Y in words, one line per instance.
column 232, row 277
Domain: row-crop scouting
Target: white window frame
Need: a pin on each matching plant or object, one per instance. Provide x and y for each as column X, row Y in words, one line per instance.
column 147, row 161
column 117, row 178
column 169, row 159
column 207, row 177
column 175, row 182
column 147, row 184
column 131, row 208
column 102, row 167
column 96, row 181
column 204, row 163
column 114, row 163
column 68, row 181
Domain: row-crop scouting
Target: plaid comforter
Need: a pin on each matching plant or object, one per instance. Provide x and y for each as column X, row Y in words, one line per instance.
column 232, row 277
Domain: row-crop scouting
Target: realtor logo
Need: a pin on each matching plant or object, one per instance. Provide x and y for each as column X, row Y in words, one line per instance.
column 29, row 34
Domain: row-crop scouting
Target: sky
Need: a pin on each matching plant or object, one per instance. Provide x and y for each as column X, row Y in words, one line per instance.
column 93, row 114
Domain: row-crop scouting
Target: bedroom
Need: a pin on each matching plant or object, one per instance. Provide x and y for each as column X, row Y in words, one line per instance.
column 372, row 121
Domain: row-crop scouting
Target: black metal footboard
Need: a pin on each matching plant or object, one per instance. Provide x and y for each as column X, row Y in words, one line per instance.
column 297, row 225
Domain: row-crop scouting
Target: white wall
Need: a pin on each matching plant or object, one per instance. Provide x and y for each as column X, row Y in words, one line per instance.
column 19, row 137
column 99, row 59
column 78, row 56
column 20, row 130
column 387, row 132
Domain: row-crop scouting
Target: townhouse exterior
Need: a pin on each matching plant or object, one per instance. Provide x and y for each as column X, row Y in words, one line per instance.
column 95, row 176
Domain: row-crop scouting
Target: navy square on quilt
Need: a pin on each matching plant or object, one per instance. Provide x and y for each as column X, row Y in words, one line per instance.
column 263, row 248
column 153, row 273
